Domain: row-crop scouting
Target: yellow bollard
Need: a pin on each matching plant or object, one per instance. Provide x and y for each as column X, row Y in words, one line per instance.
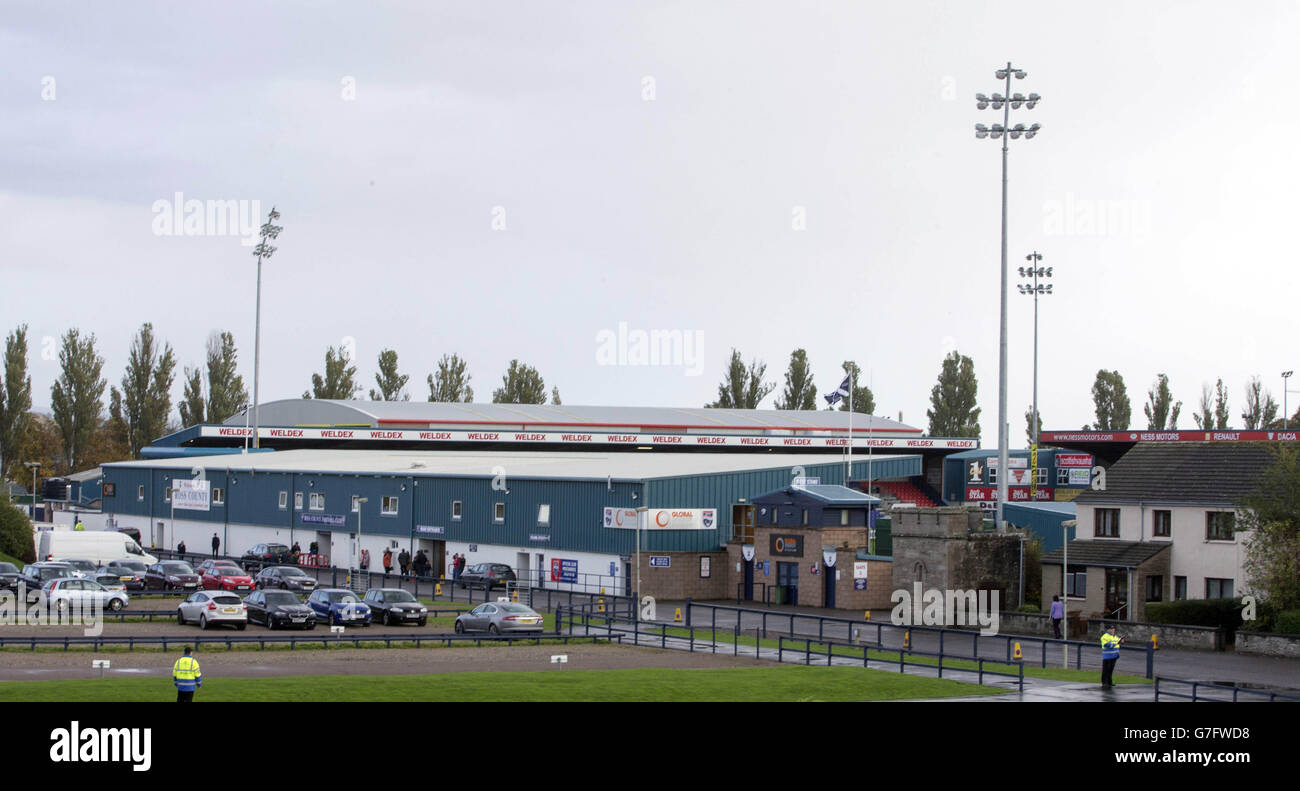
column 677, row 616
column 868, row 615
column 514, row 595
column 1017, row 655
column 1155, row 644
column 602, row 591
column 600, row 605
column 907, row 639
column 437, row 589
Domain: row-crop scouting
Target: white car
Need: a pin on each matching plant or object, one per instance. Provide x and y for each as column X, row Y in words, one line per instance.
column 213, row 607
column 61, row 594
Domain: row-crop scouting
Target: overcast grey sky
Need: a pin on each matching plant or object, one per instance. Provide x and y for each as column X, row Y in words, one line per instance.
column 652, row 164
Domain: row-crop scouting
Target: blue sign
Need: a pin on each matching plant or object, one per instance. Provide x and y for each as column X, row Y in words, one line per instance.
column 767, row 568
column 859, row 585
column 539, row 536
column 613, row 569
column 333, row 520
column 661, row 561
column 564, row 570
column 430, row 530
column 473, row 547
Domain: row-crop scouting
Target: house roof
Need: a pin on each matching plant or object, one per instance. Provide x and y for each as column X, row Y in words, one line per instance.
column 1192, row 472
column 1113, row 554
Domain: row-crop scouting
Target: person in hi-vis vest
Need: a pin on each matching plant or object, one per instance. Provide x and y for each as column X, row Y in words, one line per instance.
column 1109, row 655
column 187, row 677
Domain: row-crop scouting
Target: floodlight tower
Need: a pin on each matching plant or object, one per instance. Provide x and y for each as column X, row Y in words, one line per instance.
column 264, row 249
column 1033, row 272
column 1003, row 131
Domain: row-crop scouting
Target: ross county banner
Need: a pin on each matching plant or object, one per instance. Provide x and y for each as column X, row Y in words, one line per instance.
column 191, row 495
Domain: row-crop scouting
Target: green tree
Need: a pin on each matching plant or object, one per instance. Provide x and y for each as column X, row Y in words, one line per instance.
column 392, row 385
column 1204, row 416
column 1221, row 411
column 226, row 392
column 800, row 392
column 191, row 407
column 864, row 401
column 555, row 396
column 952, row 409
column 340, row 380
column 146, row 389
column 17, row 536
column 1030, row 436
column 1160, row 409
column 76, row 398
column 1272, row 517
column 741, row 388
column 451, row 383
column 1261, row 409
column 15, row 398
column 1110, row 402
column 521, row 384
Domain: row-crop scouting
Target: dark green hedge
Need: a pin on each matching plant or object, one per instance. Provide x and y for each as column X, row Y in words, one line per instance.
column 1287, row 622
column 15, row 532
column 1223, row 613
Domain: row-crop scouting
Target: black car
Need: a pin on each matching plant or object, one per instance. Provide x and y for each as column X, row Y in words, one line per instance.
column 289, row 578
column 262, row 555
column 487, row 576
column 9, row 576
column 35, row 575
column 279, row 610
column 172, row 575
column 396, row 606
column 131, row 572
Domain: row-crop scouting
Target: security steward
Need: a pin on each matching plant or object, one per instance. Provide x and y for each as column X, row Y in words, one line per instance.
column 80, row 525
column 187, row 677
column 1109, row 655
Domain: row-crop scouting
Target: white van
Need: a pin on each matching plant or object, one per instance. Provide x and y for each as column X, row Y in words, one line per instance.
column 101, row 546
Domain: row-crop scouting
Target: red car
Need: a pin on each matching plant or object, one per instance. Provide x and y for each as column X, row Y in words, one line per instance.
column 226, row 578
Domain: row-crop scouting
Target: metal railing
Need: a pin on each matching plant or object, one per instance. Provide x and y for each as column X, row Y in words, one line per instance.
column 293, row 641
column 1237, row 692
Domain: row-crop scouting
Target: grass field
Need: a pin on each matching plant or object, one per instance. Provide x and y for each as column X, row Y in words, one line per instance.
column 765, row 684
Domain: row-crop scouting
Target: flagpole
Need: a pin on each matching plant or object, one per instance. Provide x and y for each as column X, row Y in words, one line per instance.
column 869, row 383
column 849, row 473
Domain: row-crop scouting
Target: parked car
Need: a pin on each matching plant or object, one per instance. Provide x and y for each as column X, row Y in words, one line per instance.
column 131, row 572
column 212, row 563
column 499, row 617
column 9, row 576
column 487, row 575
column 101, row 546
column 339, row 606
column 65, row 592
column 35, row 575
column 286, row 578
column 396, row 606
column 86, row 568
column 262, row 555
column 132, row 532
column 212, row 607
column 279, row 609
column 110, row 581
column 171, row 575
column 226, row 578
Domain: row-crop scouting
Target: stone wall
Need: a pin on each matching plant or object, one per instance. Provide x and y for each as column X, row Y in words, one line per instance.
column 1137, row 634
column 811, row 585
column 1260, row 644
column 681, row 578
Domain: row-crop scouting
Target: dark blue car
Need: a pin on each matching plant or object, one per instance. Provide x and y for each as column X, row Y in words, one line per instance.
column 339, row 606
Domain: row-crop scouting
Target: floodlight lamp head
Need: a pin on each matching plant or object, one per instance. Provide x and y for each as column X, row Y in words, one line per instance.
column 1001, row 74
column 1020, row 74
column 1049, row 271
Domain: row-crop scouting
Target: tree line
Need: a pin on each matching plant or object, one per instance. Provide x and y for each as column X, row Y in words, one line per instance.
column 1113, row 408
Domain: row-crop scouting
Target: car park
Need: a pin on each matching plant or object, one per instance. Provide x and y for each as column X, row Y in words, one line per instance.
column 226, row 578
column 285, row 578
column 171, row 575
column 339, row 606
column 84, row 567
column 277, row 609
column 66, row 592
column 487, row 576
column 212, row 608
column 262, row 555
column 110, row 581
column 131, row 572
column 35, row 575
column 9, row 576
column 396, row 606
column 499, row 618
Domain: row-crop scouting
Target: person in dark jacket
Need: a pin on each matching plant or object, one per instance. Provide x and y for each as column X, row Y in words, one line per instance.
column 404, row 561
column 216, row 544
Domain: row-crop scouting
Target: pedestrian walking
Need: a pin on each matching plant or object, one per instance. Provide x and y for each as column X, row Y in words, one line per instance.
column 388, row 561
column 455, row 567
column 295, row 553
column 1109, row 655
column 1058, row 614
column 404, row 561
column 187, row 677
column 216, row 544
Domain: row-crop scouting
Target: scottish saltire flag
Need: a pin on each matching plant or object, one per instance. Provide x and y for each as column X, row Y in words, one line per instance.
column 842, row 392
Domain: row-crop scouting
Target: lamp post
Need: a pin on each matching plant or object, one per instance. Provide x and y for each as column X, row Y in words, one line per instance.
column 642, row 513
column 262, row 250
column 1004, row 130
column 33, row 466
column 356, row 549
column 1033, row 273
column 1285, row 376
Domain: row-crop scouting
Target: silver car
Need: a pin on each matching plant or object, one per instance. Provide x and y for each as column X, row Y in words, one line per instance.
column 213, row 607
column 72, row 592
column 500, row 617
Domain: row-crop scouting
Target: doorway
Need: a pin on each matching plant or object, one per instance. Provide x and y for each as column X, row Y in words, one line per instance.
column 523, row 568
column 749, row 580
column 829, row 587
column 1117, row 594
column 787, row 582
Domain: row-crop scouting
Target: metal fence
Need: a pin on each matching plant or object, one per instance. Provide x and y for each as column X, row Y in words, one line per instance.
column 1209, row 691
column 294, row 641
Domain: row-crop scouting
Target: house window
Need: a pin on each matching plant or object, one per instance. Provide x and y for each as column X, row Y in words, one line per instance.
column 1218, row 588
column 167, row 493
column 455, row 510
column 316, row 502
column 499, row 513
column 1040, row 476
column 1155, row 589
column 139, row 492
column 1076, row 581
column 543, row 515
column 773, row 516
column 1062, row 476
column 297, row 501
column 1106, row 523
column 844, row 516
column 389, row 506
column 1219, row 525
column 218, row 496
column 805, row 516
column 356, row 503
column 284, row 500
column 1180, row 588
column 993, row 475
column 1162, row 524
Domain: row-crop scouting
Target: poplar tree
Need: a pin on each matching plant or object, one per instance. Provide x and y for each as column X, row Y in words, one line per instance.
column 952, row 411
column 76, row 398
column 451, row 383
column 392, row 385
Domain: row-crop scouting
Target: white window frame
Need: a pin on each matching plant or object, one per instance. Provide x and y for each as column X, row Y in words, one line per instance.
column 457, row 508
column 316, row 502
column 389, row 506
column 1062, row 476
column 218, row 495
column 284, row 500
column 544, row 515
column 356, row 503
column 139, row 493
column 1040, row 476
column 498, row 508
column 297, row 501
column 167, row 492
